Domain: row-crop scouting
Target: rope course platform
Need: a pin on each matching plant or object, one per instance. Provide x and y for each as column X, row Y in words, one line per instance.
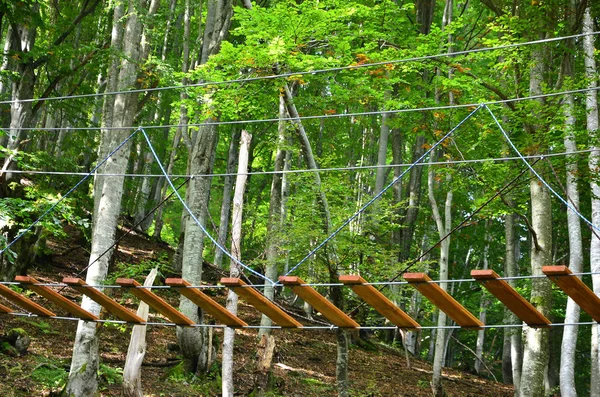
column 561, row 275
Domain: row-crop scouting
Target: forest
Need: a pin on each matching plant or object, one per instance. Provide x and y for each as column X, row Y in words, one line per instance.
column 349, row 161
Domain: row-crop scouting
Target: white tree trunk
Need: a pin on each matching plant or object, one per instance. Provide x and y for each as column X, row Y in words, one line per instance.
column 591, row 105
column 84, row 365
column 569, row 341
column 443, row 226
column 483, row 306
column 232, row 160
column 274, row 222
column 236, row 241
column 132, row 371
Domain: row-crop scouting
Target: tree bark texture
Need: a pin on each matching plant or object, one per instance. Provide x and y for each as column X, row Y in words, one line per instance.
column 591, row 104
column 275, row 220
column 132, row 370
column 84, row 365
column 443, row 226
column 236, row 245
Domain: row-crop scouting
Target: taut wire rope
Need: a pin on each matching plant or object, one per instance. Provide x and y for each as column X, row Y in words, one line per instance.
column 381, row 193
column 310, row 72
column 196, row 220
column 301, row 171
column 308, row 327
column 539, row 177
column 323, row 116
column 53, row 206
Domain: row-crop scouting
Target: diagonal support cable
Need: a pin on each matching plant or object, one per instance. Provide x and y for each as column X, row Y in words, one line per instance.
column 382, row 192
column 53, row 206
column 538, row 176
column 189, row 211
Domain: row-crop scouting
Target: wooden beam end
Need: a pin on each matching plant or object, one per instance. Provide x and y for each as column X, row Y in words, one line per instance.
column 484, row 274
column 352, row 279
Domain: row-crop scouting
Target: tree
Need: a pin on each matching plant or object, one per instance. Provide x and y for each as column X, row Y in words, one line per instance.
column 84, row 365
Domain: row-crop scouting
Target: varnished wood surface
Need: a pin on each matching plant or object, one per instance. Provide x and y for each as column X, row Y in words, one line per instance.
column 318, row 302
column 154, row 301
column 379, row 302
column 99, row 297
column 510, row 298
column 575, row 288
column 443, row 300
column 261, row 303
column 25, row 303
column 205, row 302
column 56, row 298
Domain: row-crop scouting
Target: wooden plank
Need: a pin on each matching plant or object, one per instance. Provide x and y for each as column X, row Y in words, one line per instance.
column 319, row 302
column 575, row 288
column 25, row 303
column 4, row 309
column 205, row 302
column 510, row 298
column 261, row 303
column 109, row 304
column 56, row 298
column 443, row 300
column 154, row 301
column 379, row 302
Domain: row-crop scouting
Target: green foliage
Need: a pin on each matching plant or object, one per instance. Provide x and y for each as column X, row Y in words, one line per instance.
column 140, row 270
column 109, row 375
column 50, row 374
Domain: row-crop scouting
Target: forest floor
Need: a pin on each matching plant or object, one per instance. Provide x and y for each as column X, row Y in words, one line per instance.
column 303, row 365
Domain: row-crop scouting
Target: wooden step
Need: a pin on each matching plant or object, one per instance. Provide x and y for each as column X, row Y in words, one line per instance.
column 25, row 303
column 443, row 300
column 587, row 300
column 318, row 302
column 261, row 303
column 206, row 303
column 4, row 309
column 59, row 300
column 510, row 298
column 100, row 298
column 379, row 302
column 154, row 301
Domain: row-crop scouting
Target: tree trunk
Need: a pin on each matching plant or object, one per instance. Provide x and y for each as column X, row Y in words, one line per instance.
column 591, row 105
column 536, row 351
column 274, row 222
column 443, row 227
column 132, row 370
column 84, row 365
column 201, row 162
column 512, row 334
column 328, row 252
column 483, row 307
column 226, row 200
column 236, row 241
column 569, row 340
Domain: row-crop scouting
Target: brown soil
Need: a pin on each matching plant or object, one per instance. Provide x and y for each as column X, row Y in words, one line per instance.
column 304, row 363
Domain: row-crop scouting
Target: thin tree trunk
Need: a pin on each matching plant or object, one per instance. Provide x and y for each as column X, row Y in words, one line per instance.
column 226, row 200
column 328, row 251
column 591, row 105
column 275, row 219
column 514, row 335
column 443, row 227
column 483, row 307
column 569, row 340
column 132, row 370
column 236, row 241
